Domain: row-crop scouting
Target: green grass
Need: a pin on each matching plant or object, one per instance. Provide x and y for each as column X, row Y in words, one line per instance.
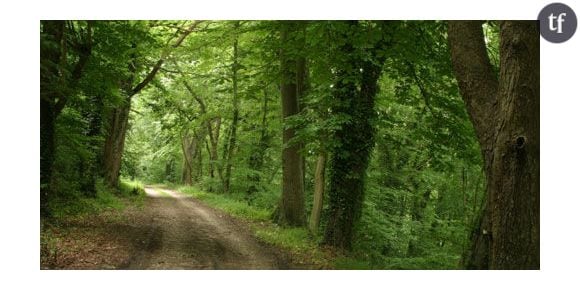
column 297, row 239
column 131, row 188
column 430, row 261
column 303, row 245
column 232, row 206
column 76, row 204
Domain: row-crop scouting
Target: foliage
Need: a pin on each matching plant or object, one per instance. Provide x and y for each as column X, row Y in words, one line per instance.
column 423, row 187
column 298, row 241
column 76, row 204
column 238, row 208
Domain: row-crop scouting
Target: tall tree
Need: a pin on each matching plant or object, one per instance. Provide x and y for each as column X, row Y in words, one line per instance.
column 292, row 204
column 231, row 146
column 505, row 114
column 119, row 118
column 354, row 99
column 58, row 80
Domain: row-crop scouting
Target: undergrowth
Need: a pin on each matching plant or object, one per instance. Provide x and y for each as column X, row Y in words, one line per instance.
column 298, row 241
column 306, row 247
column 77, row 204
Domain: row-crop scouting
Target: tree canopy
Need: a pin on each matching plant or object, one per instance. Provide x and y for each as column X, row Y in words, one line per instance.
column 358, row 127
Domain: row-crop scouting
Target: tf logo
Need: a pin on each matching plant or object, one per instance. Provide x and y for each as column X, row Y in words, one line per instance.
column 557, row 22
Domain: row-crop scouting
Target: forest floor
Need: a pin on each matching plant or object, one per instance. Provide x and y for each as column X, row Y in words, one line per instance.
column 170, row 231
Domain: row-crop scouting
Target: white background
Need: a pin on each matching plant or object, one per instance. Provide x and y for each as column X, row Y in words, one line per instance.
column 19, row 148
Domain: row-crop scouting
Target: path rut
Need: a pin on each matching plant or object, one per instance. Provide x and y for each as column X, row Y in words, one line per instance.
column 183, row 233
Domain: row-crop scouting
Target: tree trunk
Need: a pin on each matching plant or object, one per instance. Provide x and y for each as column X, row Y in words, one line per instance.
column 214, row 137
column 213, row 149
column 170, row 170
column 302, row 80
column 199, row 170
column 187, row 150
column 236, row 114
column 118, row 125
column 56, row 84
column 319, row 184
column 49, row 76
column 115, row 142
column 477, row 255
column 191, row 149
column 515, row 191
column 505, row 115
column 117, row 129
column 186, row 178
column 46, row 153
column 355, row 138
column 291, row 210
column 479, row 86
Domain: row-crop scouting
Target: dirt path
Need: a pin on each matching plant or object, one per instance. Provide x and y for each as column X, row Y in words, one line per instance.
column 182, row 233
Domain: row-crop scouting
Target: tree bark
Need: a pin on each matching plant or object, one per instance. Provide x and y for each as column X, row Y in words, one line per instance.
column 292, row 204
column 319, row 185
column 191, row 149
column 505, row 115
column 302, row 80
column 515, row 193
column 479, row 86
column 187, row 168
column 115, row 143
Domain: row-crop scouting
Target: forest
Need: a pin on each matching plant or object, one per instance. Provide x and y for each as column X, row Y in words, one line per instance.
column 289, row 144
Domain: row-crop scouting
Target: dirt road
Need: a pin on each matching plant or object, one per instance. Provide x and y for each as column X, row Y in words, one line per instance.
column 182, row 233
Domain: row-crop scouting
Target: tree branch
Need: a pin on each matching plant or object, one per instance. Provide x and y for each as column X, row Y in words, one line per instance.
column 190, row 89
column 162, row 59
column 422, row 89
column 477, row 81
column 85, row 47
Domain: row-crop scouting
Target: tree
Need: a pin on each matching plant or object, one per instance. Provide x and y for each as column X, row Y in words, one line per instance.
column 58, row 81
column 119, row 118
column 377, row 143
column 354, row 97
column 505, row 114
column 291, row 210
column 319, row 186
column 232, row 142
column 191, row 146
